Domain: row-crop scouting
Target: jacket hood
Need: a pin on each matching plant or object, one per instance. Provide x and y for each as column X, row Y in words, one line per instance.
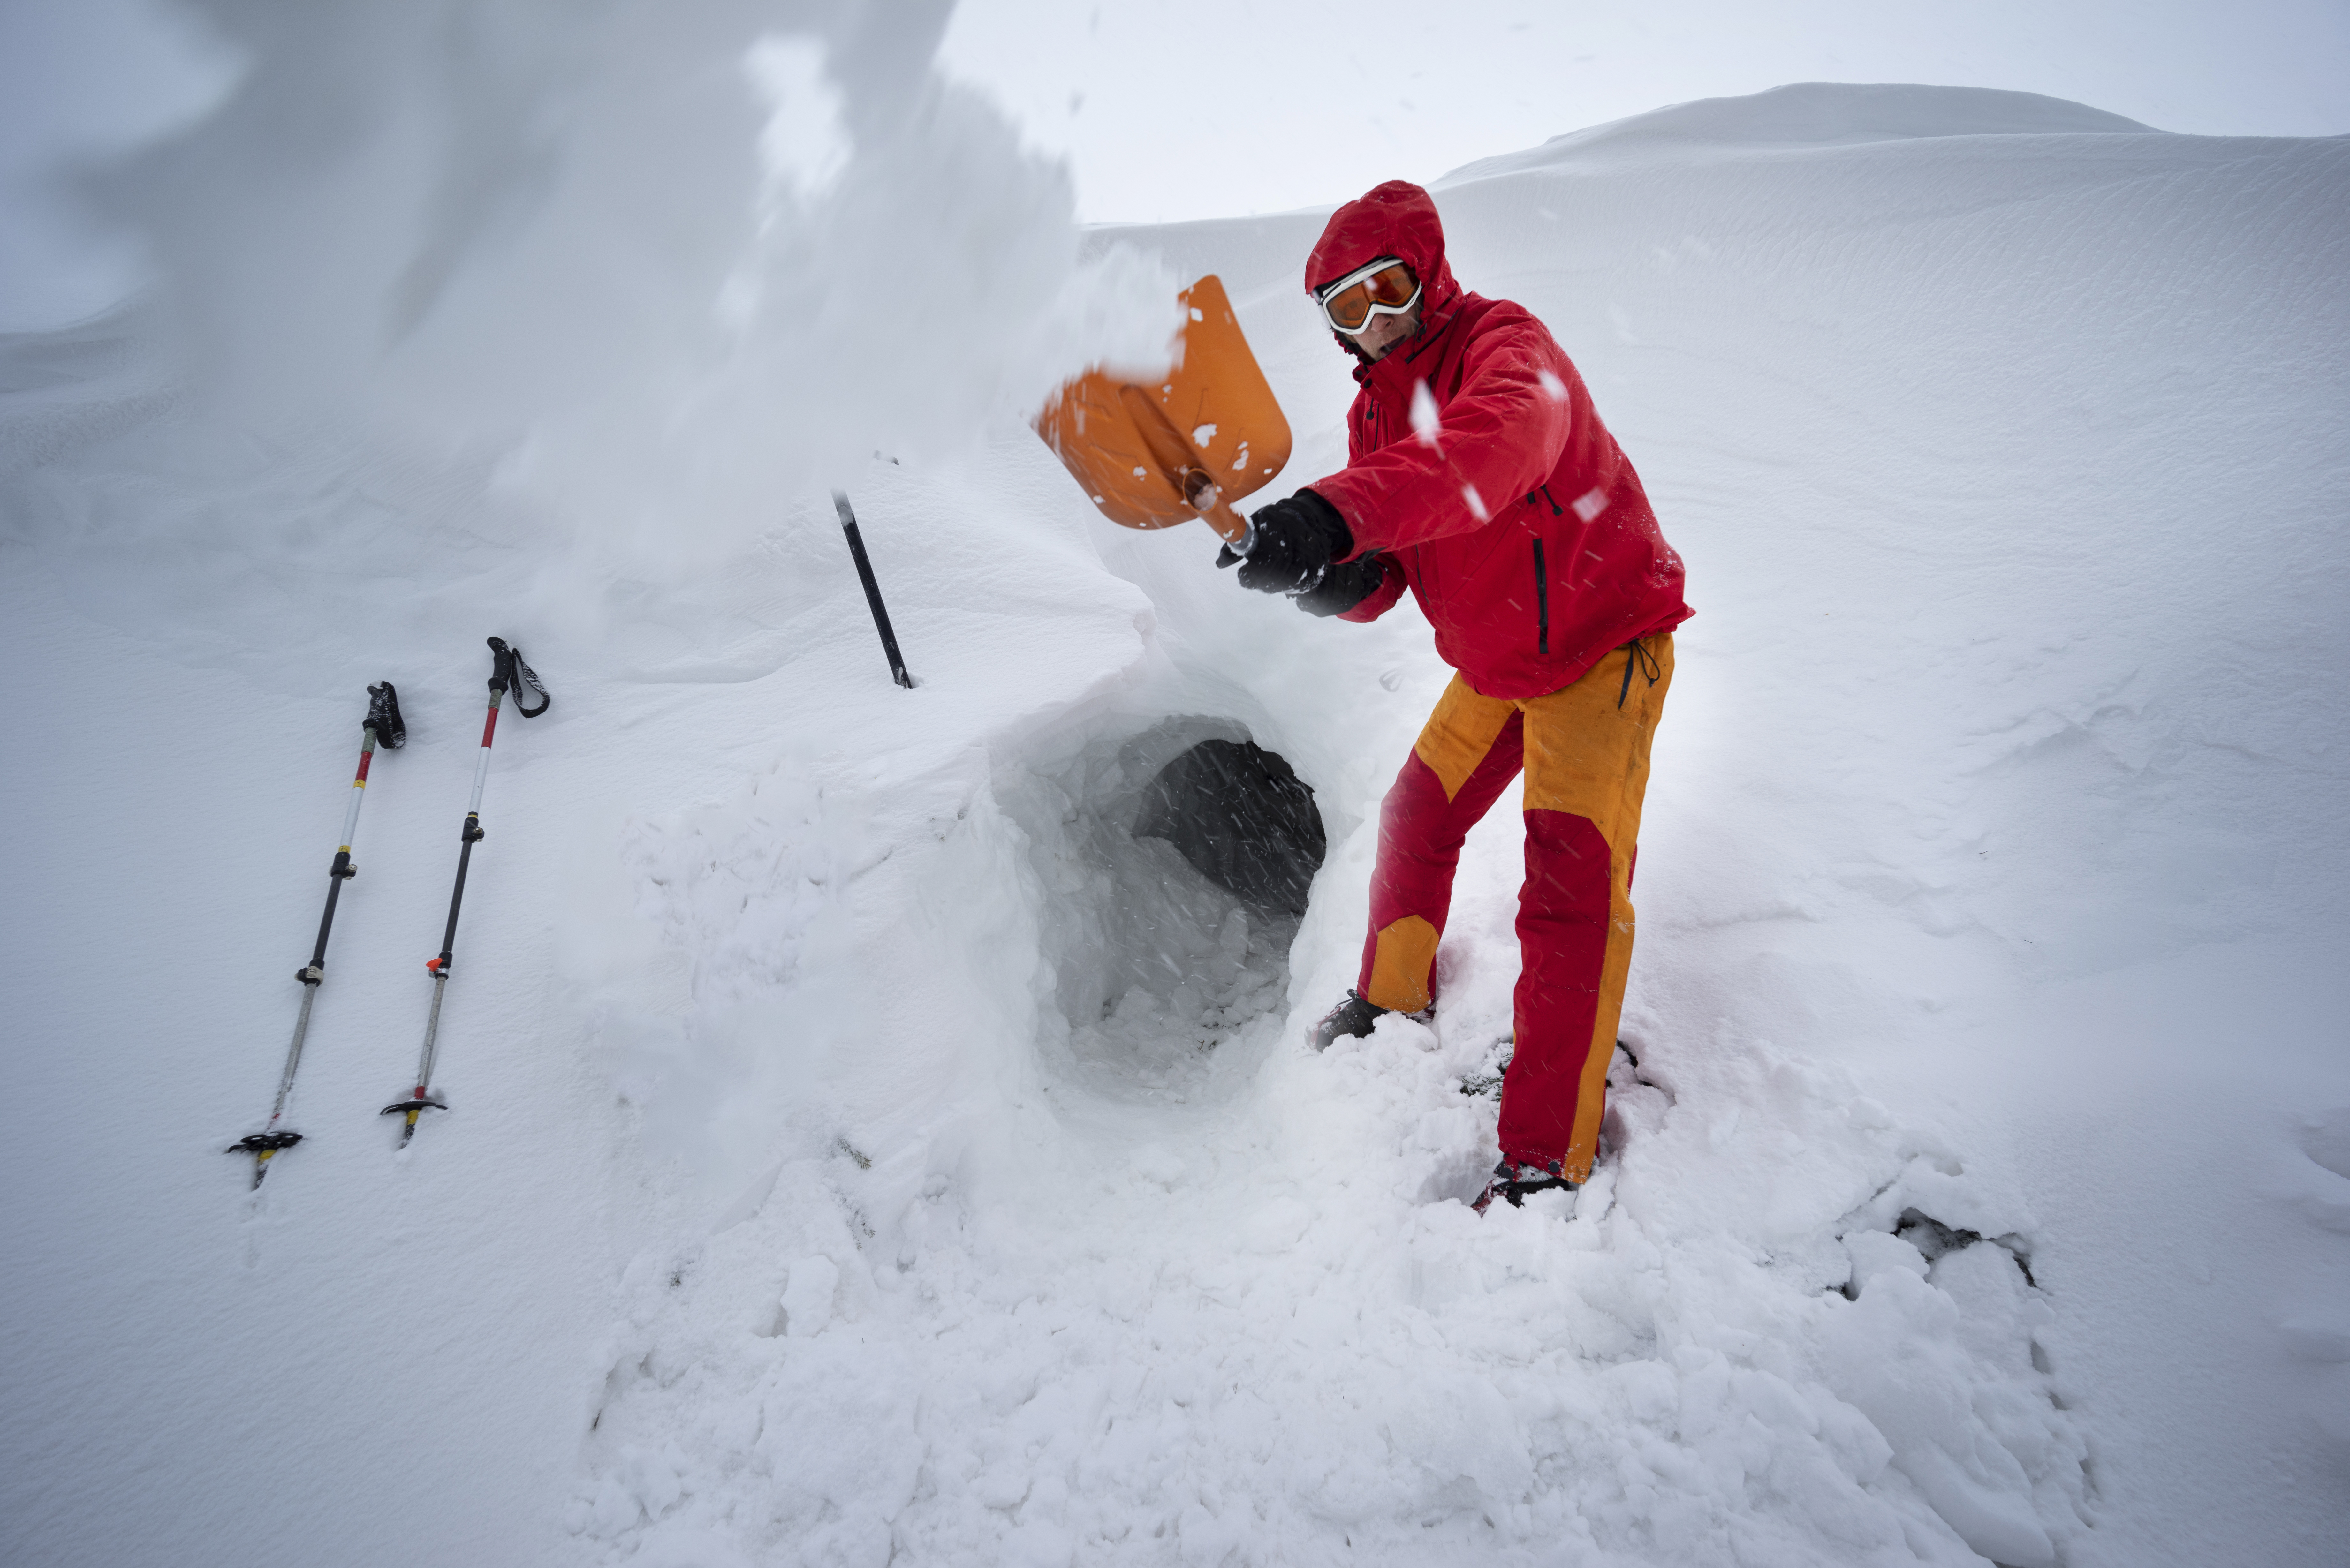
column 1396, row 219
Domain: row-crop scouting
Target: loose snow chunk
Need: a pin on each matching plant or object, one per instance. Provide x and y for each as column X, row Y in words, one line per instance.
column 1140, row 471
column 1197, row 315
column 807, row 1296
column 1202, row 435
column 645, row 1484
column 1897, row 1361
column 1590, row 503
column 805, row 145
column 1874, row 1252
column 1552, row 388
column 1425, row 423
column 1476, row 501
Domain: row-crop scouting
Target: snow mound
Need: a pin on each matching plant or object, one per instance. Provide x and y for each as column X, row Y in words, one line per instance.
column 1771, row 1330
column 1806, row 114
column 666, row 267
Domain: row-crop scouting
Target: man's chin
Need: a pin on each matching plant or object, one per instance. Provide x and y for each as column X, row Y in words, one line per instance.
column 1375, row 355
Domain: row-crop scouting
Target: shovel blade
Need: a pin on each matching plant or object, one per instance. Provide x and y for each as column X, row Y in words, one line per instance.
column 1182, row 445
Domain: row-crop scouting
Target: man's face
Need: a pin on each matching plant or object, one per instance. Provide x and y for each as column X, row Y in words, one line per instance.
column 1385, row 332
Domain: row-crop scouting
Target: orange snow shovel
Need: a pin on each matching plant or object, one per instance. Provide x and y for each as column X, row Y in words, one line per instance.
column 1183, row 445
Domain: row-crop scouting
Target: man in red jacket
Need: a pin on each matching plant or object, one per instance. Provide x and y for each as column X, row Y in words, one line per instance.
column 1479, row 476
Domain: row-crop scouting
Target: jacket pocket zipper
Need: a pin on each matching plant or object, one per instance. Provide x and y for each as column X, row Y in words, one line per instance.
column 1541, row 604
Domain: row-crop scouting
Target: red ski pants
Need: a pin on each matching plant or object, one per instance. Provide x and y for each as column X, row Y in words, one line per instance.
column 1585, row 752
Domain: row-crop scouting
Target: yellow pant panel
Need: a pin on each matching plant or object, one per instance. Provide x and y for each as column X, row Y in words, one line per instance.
column 1588, row 757
column 1404, row 958
column 1459, row 732
column 1615, row 974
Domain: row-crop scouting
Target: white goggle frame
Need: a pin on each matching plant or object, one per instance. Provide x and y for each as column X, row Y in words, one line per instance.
column 1330, row 291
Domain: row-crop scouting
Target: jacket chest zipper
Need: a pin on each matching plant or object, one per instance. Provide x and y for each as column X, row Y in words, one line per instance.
column 1542, row 603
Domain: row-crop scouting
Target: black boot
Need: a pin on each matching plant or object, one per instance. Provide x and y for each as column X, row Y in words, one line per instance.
column 1351, row 1018
column 1513, row 1182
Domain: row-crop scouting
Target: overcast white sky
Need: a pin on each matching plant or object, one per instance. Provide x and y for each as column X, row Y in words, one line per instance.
column 1187, row 109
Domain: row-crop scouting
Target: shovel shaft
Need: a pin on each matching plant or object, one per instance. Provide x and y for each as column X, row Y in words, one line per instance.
column 1228, row 523
column 872, row 591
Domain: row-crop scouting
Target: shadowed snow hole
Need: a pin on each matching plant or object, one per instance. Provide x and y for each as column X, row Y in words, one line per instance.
column 1175, row 864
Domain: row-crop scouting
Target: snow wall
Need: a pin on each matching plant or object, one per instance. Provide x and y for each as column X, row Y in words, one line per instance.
column 865, row 1149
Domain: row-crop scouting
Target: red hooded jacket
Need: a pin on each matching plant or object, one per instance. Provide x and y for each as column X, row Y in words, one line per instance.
column 1515, row 519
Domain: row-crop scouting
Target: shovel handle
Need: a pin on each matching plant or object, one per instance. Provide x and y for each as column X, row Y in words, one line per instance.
column 1226, row 522
column 1203, row 495
column 1179, row 465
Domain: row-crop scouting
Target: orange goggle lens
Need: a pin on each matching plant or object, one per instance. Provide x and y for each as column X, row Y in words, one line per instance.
column 1349, row 306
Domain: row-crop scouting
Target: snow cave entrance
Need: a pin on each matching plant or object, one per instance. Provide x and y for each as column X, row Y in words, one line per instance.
column 1176, row 865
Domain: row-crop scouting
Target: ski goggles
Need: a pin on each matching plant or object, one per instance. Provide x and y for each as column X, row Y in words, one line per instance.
column 1385, row 288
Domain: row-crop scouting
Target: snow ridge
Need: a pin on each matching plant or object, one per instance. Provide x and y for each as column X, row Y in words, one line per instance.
column 1806, row 114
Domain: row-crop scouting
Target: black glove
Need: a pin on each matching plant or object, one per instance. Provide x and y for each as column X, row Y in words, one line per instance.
column 1289, row 545
column 1345, row 585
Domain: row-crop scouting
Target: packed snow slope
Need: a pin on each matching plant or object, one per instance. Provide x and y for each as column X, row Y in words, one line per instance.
column 864, row 1148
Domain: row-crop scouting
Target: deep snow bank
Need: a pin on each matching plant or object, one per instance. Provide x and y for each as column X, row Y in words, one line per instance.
column 846, row 1029
column 667, row 265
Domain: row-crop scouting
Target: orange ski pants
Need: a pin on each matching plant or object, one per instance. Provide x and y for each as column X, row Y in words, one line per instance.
column 1585, row 752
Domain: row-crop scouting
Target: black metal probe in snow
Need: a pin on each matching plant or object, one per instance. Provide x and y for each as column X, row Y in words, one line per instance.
column 382, row 726
column 872, row 590
column 508, row 671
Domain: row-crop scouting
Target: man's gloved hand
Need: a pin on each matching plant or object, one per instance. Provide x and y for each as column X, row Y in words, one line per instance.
column 1289, row 545
column 1345, row 585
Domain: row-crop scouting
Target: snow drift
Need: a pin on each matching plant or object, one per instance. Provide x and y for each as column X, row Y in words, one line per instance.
column 867, row 1148
column 667, row 265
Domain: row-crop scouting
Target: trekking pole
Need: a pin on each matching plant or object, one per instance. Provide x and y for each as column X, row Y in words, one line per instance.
column 872, row 590
column 506, row 670
column 382, row 726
